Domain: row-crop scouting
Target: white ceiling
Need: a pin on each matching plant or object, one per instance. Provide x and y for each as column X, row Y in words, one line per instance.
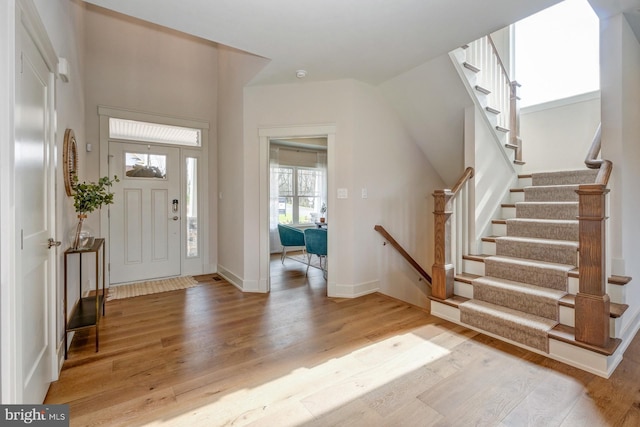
column 368, row 40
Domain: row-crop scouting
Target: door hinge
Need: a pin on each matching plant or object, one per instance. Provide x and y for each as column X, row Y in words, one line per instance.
column 21, row 62
column 109, row 267
column 21, row 239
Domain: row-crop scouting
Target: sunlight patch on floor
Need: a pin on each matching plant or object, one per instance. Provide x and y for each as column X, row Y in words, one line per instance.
column 306, row 393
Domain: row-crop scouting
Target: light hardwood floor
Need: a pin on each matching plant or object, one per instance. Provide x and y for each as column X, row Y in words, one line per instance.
column 213, row 356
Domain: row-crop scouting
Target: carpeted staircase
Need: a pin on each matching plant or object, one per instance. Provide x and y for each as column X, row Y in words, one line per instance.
column 518, row 296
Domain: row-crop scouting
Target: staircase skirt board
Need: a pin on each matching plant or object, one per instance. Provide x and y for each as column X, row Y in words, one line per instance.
column 539, row 273
column 519, row 296
column 526, row 329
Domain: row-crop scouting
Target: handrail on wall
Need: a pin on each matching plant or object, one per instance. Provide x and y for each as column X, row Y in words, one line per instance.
column 380, row 229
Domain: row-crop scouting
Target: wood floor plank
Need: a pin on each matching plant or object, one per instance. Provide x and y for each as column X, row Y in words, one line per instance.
column 211, row 355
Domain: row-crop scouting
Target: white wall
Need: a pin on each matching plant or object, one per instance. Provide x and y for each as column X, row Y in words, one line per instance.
column 235, row 70
column 620, row 87
column 139, row 66
column 557, row 135
column 372, row 150
column 430, row 100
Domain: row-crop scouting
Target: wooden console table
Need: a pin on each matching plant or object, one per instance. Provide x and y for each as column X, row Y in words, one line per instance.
column 86, row 313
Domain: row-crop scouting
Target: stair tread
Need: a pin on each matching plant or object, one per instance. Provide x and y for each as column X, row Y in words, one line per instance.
column 453, row 301
column 547, row 203
column 615, row 309
column 466, row 277
column 510, row 314
column 491, row 239
column 566, row 334
column 533, row 263
column 542, row 221
column 492, row 110
column 482, row 89
column 471, row 67
column 476, row 257
column 503, row 129
column 508, row 205
column 552, row 186
column 525, row 175
column 619, row 280
column 538, row 240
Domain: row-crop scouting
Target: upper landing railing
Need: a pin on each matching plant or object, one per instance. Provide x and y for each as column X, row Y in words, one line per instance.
column 503, row 92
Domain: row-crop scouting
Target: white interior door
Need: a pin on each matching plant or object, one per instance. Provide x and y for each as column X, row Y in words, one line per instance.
column 35, row 219
column 144, row 221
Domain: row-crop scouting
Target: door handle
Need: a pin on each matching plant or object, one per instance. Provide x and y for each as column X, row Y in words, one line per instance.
column 175, row 218
column 52, row 243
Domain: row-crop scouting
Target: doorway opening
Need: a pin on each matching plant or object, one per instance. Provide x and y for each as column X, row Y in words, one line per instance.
column 298, row 199
column 158, row 224
column 296, row 164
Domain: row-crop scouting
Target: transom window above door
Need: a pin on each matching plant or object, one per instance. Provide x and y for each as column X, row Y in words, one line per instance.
column 134, row 130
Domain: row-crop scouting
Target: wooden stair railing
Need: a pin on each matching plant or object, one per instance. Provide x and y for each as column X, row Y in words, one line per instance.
column 443, row 269
column 592, row 302
column 380, row 229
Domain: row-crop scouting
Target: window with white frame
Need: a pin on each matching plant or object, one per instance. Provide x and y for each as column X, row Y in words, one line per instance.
column 299, row 194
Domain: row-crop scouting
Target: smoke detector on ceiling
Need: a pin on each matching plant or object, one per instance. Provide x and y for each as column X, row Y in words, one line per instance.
column 301, row 74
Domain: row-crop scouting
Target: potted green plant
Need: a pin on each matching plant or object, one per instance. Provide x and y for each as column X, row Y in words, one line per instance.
column 87, row 197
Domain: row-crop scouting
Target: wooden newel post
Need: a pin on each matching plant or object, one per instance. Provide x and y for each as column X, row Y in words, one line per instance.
column 443, row 269
column 592, row 301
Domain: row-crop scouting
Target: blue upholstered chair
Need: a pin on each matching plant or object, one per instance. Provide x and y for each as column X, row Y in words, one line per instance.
column 289, row 236
column 316, row 242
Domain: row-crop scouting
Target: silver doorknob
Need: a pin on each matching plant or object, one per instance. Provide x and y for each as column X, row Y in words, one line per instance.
column 52, row 243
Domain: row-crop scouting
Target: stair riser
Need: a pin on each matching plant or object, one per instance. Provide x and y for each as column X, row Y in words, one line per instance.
column 508, row 213
column 552, row 279
column 517, row 301
column 616, row 293
column 473, row 267
column 499, row 229
column 516, row 196
column 562, row 194
column 587, row 176
column 543, row 211
column 463, row 289
column 538, row 252
column 525, row 182
column 562, row 231
column 489, row 248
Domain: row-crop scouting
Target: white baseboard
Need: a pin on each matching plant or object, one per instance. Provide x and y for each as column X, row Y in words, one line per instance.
column 354, row 290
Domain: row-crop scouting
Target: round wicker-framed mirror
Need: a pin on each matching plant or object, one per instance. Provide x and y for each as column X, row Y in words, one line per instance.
column 70, row 161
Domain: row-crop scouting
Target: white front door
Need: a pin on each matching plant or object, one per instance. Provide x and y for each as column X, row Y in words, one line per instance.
column 144, row 221
column 35, row 219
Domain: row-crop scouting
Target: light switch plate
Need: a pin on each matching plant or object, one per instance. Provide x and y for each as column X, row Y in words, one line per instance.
column 343, row 193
